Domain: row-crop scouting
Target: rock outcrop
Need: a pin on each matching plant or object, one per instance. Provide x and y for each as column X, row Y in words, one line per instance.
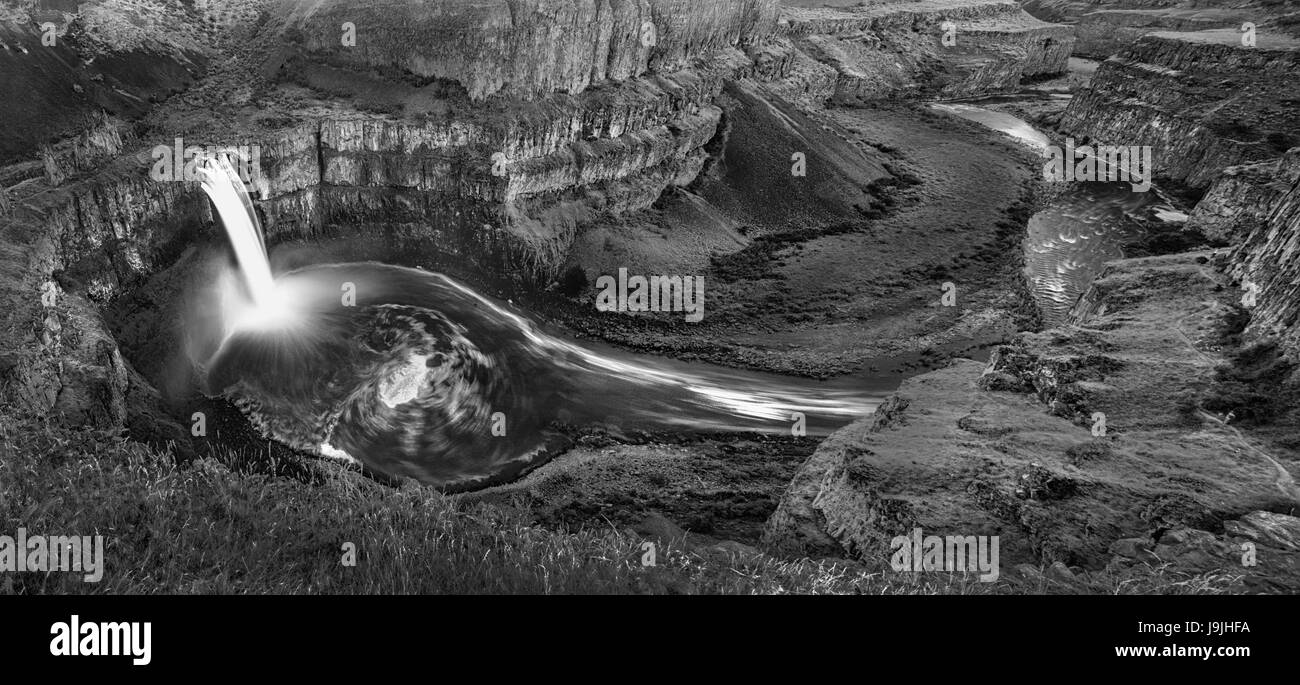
column 528, row 48
column 1203, row 101
column 964, row 451
column 1257, row 535
column 1257, row 209
column 932, row 48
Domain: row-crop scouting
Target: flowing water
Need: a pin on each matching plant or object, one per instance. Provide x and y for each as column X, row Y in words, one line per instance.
column 415, row 374
column 1068, row 242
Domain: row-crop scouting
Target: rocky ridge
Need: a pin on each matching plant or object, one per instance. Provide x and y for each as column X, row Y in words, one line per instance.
column 1012, row 448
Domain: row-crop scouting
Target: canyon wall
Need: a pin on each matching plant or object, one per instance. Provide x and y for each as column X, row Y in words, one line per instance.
column 528, row 48
column 1256, row 208
column 505, row 178
column 1202, row 101
column 1106, row 32
column 1105, row 27
column 542, row 116
column 932, row 48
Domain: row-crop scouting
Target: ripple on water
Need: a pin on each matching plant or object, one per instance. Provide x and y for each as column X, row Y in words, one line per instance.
column 1068, row 243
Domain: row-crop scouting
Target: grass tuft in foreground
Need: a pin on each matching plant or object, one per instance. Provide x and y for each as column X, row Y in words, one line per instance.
column 203, row 527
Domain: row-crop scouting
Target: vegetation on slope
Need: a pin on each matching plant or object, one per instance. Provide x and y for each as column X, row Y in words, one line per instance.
column 224, row 526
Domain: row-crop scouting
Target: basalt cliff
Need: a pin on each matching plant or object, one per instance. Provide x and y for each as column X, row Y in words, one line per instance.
column 472, row 135
column 1202, row 101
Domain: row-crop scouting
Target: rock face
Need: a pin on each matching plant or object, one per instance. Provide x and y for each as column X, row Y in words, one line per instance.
column 1106, row 32
column 1105, row 27
column 1202, row 101
column 529, row 48
column 504, row 191
column 1241, row 199
column 1257, row 209
column 965, row 451
column 60, row 359
column 506, row 178
column 932, row 48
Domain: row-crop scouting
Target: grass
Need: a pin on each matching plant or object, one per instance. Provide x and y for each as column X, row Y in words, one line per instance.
column 1255, row 385
column 205, row 527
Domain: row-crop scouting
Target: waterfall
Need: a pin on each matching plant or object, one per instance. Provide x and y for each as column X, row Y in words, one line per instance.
column 235, row 208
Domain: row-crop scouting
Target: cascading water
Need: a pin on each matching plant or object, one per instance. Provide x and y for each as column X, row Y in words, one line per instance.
column 235, row 209
column 416, row 375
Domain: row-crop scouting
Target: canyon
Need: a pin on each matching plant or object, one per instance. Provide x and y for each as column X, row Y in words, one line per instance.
column 529, row 147
column 1146, row 349
column 500, row 185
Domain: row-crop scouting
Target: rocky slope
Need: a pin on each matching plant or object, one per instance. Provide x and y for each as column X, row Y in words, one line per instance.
column 62, row 64
column 1010, row 449
column 1201, row 100
column 529, row 48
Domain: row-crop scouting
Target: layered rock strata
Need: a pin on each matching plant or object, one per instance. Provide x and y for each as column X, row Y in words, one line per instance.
column 932, row 48
column 1202, row 101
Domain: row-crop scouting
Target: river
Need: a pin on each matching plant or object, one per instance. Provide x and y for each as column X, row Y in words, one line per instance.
column 1084, row 226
